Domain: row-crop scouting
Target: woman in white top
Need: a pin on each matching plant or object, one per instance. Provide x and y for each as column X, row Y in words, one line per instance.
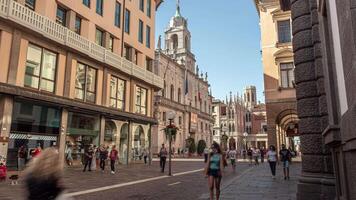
column 272, row 158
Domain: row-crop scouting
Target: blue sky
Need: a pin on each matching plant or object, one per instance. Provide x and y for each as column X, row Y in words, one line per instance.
column 225, row 41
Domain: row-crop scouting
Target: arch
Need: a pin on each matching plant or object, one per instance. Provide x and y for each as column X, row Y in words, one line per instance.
column 233, row 128
column 172, row 92
column 179, row 95
column 110, row 133
column 174, row 41
column 186, row 43
column 138, row 141
column 124, row 132
column 230, row 128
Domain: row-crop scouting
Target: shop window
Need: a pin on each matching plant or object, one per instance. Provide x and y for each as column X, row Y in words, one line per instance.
column 141, row 100
column 85, row 83
column 117, row 93
column 41, row 67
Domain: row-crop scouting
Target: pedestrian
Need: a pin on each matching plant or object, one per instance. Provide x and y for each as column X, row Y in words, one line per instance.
column 163, row 157
column 88, row 157
column 3, row 171
column 249, row 154
column 272, row 159
column 145, row 155
column 43, row 177
column 93, row 161
column 255, row 153
column 286, row 156
column 213, row 170
column 21, row 158
column 206, row 154
column 244, row 153
column 262, row 151
column 103, row 157
column 36, row 151
column 114, row 154
column 69, row 157
column 232, row 156
column 97, row 156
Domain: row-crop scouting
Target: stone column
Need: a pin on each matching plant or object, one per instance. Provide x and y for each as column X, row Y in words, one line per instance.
column 6, row 105
column 317, row 180
column 62, row 136
column 14, row 57
column 102, row 130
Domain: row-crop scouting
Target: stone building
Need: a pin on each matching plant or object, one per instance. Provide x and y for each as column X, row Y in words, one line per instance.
column 76, row 73
column 278, row 69
column 324, row 41
column 186, row 89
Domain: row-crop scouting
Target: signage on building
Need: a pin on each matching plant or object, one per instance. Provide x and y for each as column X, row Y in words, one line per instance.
column 193, row 122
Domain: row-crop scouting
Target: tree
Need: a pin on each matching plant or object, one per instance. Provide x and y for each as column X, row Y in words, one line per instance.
column 201, row 146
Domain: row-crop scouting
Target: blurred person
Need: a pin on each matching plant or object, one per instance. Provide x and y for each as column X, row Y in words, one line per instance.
column 249, row 155
column 256, row 154
column 21, row 158
column 36, row 151
column 145, row 155
column 263, row 152
column 114, row 154
column 93, row 161
column 272, row 158
column 3, row 172
column 69, row 157
column 213, row 170
column 97, row 156
column 103, row 157
column 162, row 157
column 232, row 156
column 88, row 155
column 206, row 154
column 244, row 153
column 43, row 177
column 286, row 156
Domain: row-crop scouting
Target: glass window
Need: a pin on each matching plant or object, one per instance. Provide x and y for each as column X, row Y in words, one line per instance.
column 30, row 4
column 140, row 31
column 99, row 37
column 127, row 52
column 111, row 44
column 284, row 32
column 78, row 24
column 287, row 75
column 99, row 7
column 142, row 5
column 85, row 83
column 40, row 68
column 117, row 93
column 148, row 36
column 141, row 100
column 127, row 21
column 149, row 8
column 117, row 14
column 61, row 16
column 87, row 3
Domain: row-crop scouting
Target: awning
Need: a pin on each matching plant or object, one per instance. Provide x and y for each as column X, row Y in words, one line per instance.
column 25, row 136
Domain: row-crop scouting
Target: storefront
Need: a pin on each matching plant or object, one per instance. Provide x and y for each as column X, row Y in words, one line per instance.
column 83, row 130
column 32, row 124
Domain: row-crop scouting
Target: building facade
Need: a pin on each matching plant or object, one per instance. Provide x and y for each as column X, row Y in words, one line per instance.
column 77, row 73
column 185, row 91
column 324, row 50
column 278, row 69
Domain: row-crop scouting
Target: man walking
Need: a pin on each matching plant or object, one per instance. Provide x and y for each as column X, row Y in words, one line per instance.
column 113, row 157
column 206, row 153
column 163, row 157
column 232, row 156
column 103, row 152
column 285, row 155
column 262, row 151
column 88, row 157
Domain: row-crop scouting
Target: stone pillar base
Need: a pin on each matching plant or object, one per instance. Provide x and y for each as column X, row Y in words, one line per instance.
column 313, row 186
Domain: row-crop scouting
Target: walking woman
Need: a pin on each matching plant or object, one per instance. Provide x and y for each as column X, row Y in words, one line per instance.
column 214, row 169
column 272, row 158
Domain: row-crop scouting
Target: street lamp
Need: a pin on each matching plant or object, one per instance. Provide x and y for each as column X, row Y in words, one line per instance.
column 170, row 129
column 245, row 134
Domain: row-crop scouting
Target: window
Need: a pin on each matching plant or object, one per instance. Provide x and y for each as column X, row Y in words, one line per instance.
column 99, row 37
column 117, row 14
column 99, row 7
column 142, row 5
column 179, row 96
column 30, row 4
column 85, row 83
column 149, row 63
column 61, row 16
column 111, row 44
column 148, row 8
column 172, row 92
column 40, row 68
column 78, row 24
column 141, row 100
column 117, row 93
column 287, row 75
column 164, row 117
column 135, row 59
column 148, row 36
column 201, row 126
column 284, row 32
column 180, row 120
column 140, row 31
column 127, row 52
column 127, row 21
column 87, row 3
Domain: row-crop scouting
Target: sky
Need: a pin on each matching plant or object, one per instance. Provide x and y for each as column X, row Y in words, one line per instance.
column 225, row 41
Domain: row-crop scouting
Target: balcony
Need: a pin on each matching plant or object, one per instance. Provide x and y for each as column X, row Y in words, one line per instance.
column 15, row 12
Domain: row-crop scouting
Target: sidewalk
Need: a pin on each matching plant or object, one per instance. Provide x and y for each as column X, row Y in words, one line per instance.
column 257, row 183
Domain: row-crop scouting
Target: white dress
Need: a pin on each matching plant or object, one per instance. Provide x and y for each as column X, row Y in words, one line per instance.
column 93, row 162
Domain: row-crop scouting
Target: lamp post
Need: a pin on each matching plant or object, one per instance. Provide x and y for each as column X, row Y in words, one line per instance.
column 245, row 134
column 170, row 128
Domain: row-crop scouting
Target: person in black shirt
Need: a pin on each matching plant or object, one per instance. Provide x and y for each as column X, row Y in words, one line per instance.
column 88, row 157
column 285, row 156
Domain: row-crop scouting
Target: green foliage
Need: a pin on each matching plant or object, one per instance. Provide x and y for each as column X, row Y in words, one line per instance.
column 201, row 146
column 190, row 144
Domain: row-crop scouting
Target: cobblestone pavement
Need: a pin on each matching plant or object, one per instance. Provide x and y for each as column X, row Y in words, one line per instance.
column 257, row 183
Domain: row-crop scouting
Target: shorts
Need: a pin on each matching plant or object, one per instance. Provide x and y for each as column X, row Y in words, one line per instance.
column 214, row 173
column 286, row 164
column 232, row 161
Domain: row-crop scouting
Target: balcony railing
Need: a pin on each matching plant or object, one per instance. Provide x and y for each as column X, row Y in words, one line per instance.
column 9, row 9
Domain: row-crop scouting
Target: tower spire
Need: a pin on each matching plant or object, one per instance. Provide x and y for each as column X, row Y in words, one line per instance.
column 178, row 9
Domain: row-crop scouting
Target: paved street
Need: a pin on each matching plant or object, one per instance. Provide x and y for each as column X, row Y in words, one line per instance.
column 146, row 182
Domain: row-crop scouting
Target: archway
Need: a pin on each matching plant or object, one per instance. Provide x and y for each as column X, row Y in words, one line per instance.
column 124, row 132
column 174, row 40
column 138, row 142
column 110, row 133
column 287, row 129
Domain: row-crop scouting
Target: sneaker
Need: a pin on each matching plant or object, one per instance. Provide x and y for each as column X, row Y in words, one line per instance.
column 112, row 172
